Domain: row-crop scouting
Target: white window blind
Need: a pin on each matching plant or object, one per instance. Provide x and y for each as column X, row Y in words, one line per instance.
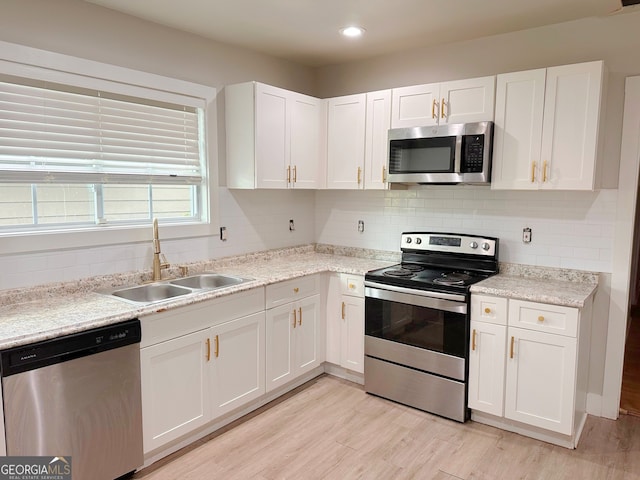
column 51, row 133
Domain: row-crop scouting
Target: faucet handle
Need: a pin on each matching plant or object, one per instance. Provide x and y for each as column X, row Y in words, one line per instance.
column 163, row 261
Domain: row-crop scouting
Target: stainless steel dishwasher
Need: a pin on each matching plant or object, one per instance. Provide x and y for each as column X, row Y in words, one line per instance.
column 77, row 396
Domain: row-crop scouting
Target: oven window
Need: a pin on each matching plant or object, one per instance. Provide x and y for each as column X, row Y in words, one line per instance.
column 422, row 327
column 422, row 155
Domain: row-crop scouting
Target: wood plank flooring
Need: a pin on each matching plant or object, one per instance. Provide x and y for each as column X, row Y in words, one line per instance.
column 331, row 429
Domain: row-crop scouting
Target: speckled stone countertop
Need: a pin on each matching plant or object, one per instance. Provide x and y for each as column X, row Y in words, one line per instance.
column 569, row 288
column 33, row 314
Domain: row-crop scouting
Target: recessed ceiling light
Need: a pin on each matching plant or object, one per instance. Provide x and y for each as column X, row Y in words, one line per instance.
column 352, row 31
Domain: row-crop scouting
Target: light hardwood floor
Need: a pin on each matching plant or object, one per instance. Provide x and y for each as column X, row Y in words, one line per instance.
column 331, row 429
column 630, row 394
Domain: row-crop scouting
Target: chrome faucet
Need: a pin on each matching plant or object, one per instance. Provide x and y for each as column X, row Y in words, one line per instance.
column 159, row 260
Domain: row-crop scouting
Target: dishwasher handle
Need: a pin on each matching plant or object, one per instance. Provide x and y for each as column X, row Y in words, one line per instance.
column 68, row 347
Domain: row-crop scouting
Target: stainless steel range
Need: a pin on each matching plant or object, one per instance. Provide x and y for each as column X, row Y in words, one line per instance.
column 417, row 321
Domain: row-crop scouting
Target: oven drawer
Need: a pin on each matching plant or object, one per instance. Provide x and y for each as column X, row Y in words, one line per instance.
column 414, row 388
column 489, row 309
column 543, row 317
column 415, row 357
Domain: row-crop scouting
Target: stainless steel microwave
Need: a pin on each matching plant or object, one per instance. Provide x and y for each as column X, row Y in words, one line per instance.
column 444, row 154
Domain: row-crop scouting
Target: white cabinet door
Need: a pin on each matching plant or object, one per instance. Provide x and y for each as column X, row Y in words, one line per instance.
column 378, row 122
column 237, row 362
column 546, row 128
column 307, row 334
column 541, row 379
column 570, row 126
column 175, row 388
column 272, row 136
column 345, row 141
column 334, row 320
column 417, row 105
column 279, row 346
column 518, row 130
column 305, row 141
column 465, row 101
column 352, row 337
column 487, row 354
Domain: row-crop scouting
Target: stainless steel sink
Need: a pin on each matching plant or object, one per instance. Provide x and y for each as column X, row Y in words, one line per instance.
column 208, row 281
column 151, row 293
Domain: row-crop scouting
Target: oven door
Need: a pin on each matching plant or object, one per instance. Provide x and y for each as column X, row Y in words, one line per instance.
column 423, row 330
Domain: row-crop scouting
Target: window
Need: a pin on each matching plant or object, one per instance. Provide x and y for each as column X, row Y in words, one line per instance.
column 73, row 156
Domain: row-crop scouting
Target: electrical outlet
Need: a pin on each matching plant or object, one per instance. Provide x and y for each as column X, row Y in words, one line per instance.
column 292, row 226
column 361, row 226
column 223, row 234
column 526, row 235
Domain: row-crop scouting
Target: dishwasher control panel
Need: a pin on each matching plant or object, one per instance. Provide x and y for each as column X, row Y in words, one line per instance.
column 60, row 349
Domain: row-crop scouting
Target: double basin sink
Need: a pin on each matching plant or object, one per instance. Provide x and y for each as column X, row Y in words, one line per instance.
column 161, row 291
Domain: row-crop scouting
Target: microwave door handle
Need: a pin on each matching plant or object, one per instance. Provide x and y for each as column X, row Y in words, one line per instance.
column 457, row 161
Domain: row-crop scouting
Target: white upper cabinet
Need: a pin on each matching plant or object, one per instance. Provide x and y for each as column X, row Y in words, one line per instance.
column 346, row 141
column 357, row 137
column 546, row 128
column 459, row 101
column 273, row 137
column 377, row 124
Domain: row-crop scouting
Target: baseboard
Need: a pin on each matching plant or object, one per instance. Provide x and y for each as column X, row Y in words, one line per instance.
column 594, row 404
column 344, row 373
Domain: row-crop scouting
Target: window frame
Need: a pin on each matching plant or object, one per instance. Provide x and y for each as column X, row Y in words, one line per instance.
column 30, row 62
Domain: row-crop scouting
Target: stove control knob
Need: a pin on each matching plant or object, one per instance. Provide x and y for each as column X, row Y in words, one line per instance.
column 418, row 240
column 486, row 246
column 473, row 245
column 408, row 239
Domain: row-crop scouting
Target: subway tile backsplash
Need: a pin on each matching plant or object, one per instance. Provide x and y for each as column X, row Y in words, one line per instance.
column 570, row 229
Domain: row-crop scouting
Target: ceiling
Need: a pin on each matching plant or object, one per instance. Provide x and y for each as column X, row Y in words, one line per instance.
column 306, row 31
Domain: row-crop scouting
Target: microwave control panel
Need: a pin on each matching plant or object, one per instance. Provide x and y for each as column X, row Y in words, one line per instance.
column 472, row 153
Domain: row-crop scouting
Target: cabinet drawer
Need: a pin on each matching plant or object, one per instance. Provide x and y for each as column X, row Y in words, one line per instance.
column 543, row 317
column 352, row 284
column 291, row 290
column 489, row 309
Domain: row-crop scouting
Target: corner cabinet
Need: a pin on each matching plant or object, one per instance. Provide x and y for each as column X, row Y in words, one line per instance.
column 345, row 322
column 528, row 367
column 294, row 331
column 460, row 101
column 357, row 139
column 547, row 127
column 273, row 138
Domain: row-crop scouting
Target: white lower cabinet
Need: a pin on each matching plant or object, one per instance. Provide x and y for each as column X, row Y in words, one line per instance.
column 198, row 363
column 541, row 380
column 294, row 333
column 528, row 367
column 345, row 322
column 175, row 388
column 237, row 362
column 486, row 367
column 292, row 338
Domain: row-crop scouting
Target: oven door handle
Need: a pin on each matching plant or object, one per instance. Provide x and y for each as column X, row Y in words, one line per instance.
column 439, row 301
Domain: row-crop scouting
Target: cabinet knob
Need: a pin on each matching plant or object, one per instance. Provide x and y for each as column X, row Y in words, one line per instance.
column 487, row 310
column 296, row 290
column 541, row 318
column 352, row 286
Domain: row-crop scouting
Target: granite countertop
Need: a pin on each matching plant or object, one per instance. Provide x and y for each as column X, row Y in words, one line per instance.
column 29, row 315
column 35, row 314
column 568, row 293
